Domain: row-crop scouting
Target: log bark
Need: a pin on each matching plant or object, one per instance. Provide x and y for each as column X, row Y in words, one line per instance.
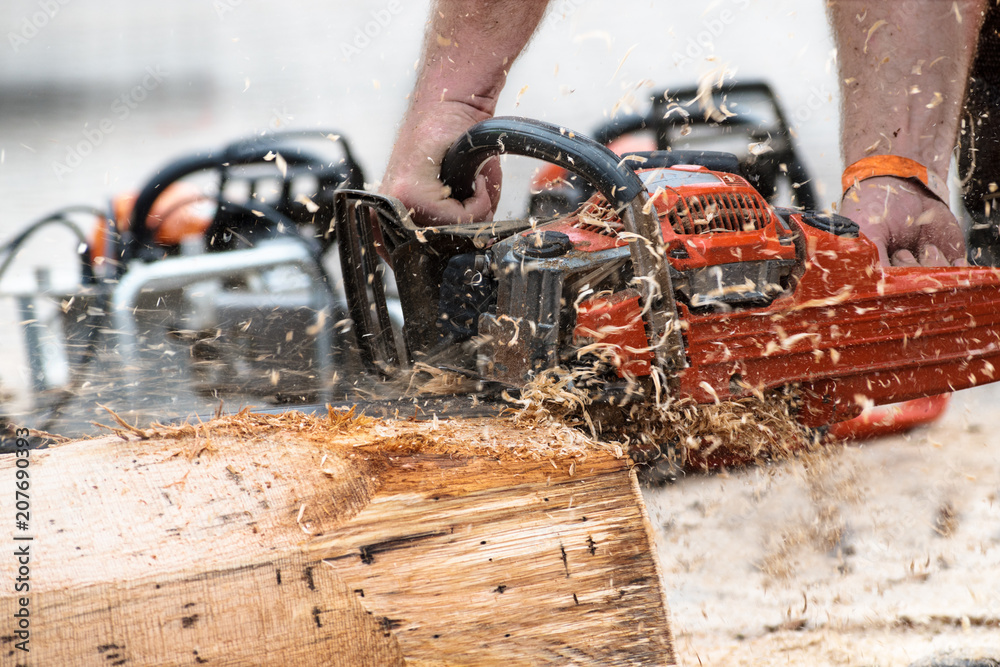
column 299, row 541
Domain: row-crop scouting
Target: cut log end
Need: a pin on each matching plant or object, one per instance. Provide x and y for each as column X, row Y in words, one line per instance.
column 303, row 540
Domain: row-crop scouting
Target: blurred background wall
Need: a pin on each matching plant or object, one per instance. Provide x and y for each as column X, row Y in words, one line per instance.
column 95, row 95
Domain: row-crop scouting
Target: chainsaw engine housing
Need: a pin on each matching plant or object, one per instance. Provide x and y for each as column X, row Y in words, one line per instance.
column 727, row 250
column 677, row 279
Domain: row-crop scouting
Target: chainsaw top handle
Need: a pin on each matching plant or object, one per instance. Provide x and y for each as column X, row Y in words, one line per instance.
column 139, row 238
column 532, row 138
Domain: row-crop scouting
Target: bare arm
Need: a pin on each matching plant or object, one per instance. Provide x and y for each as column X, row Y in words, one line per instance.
column 904, row 68
column 468, row 50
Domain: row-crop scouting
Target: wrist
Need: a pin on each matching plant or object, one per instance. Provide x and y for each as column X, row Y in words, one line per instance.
column 442, row 102
column 427, row 131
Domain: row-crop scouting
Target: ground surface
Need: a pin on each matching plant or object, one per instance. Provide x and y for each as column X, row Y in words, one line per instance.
column 879, row 553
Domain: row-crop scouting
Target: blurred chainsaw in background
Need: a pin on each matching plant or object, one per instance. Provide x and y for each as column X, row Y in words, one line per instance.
column 209, row 281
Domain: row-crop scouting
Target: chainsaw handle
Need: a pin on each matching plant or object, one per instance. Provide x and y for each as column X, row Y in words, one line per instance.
column 619, row 184
column 139, row 238
column 509, row 135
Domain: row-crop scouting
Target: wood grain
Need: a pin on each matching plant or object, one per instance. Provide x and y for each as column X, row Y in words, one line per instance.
column 375, row 544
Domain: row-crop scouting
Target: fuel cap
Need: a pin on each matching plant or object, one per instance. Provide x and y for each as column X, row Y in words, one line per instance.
column 542, row 244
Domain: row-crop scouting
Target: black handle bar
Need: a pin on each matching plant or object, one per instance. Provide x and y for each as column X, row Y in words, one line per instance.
column 532, row 138
column 243, row 152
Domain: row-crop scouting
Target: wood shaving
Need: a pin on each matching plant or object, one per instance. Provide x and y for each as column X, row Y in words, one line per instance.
column 878, row 24
column 752, row 429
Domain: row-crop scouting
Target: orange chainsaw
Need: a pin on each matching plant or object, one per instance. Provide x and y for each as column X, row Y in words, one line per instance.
column 675, row 276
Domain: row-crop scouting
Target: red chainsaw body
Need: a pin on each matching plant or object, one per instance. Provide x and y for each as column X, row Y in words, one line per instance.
column 885, row 334
column 846, row 331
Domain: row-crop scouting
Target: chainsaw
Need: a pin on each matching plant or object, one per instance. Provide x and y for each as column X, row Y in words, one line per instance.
column 209, row 282
column 675, row 278
column 664, row 273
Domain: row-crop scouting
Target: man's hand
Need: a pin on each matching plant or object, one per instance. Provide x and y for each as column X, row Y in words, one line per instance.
column 413, row 172
column 468, row 50
column 903, row 72
column 909, row 226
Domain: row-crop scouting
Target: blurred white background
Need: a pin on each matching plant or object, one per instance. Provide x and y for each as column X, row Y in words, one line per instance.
column 226, row 68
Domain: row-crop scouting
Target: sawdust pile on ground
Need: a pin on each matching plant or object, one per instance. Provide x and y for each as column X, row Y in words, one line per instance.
column 874, row 555
column 820, row 526
column 751, row 429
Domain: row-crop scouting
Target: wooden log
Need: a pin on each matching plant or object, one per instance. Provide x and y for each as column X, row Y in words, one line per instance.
column 299, row 540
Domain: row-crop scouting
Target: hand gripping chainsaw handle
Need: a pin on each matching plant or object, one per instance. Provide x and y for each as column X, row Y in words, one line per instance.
column 531, row 138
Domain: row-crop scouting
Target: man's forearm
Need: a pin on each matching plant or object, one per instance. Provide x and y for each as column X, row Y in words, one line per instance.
column 469, row 48
column 468, row 51
column 904, row 68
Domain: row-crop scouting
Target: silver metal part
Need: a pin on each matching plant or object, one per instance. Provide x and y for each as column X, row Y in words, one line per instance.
column 649, row 261
column 735, row 284
column 181, row 272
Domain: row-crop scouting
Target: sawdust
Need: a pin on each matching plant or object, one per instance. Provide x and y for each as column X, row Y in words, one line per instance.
column 749, row 430
column 245, row 424
column 424, row 379
column 339, row 429
column 820, row 526
column 946, row 521
column 599, row 215
column 753, row 429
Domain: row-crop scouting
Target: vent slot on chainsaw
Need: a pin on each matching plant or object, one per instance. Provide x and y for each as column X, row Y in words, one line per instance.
column 598, row 218
column 714, row 213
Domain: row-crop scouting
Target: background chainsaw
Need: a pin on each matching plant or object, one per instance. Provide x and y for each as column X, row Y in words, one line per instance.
column 676, row 278
column 210, row 281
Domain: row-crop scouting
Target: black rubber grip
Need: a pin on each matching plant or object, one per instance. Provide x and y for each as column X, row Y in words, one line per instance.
column 545, row 141
column 140, row 235
column 243, row 152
